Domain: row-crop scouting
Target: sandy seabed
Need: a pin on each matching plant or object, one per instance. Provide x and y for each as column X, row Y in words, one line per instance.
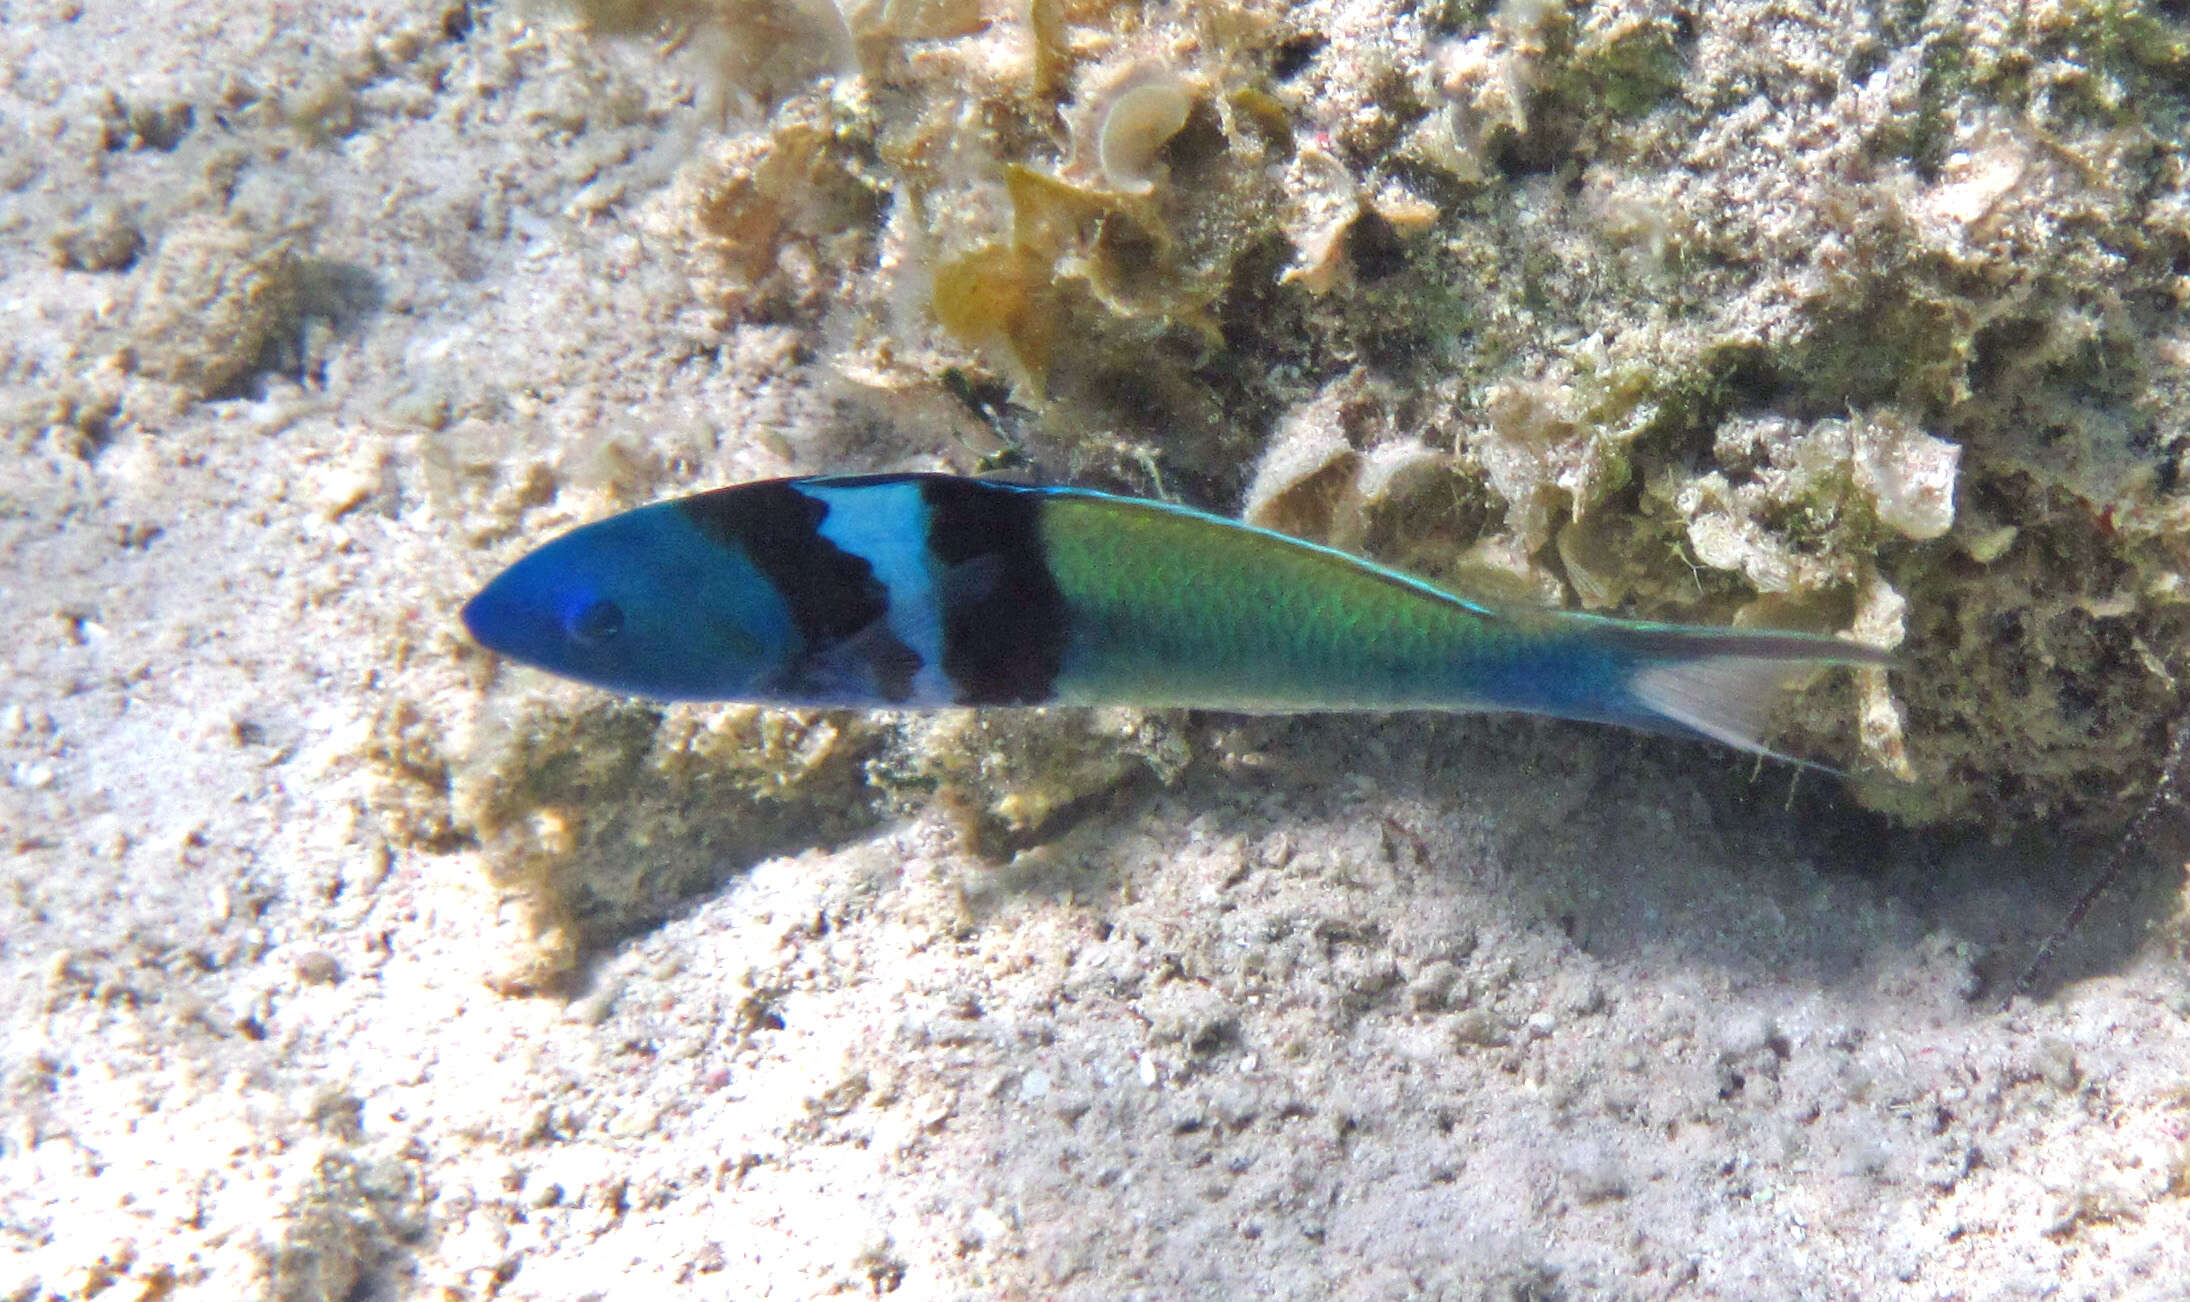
column 1380, row 1008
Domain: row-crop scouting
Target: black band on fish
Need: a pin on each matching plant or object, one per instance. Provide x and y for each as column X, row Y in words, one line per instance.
column 840, row 609
column 1004, row 619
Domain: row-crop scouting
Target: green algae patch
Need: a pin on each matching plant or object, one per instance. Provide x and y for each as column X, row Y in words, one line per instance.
column 1621, row 64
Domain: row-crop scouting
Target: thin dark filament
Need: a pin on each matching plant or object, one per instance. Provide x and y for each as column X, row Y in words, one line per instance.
column 2163, row 794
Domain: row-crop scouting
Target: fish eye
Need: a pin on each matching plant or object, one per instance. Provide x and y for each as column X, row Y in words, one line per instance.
column 596, row 622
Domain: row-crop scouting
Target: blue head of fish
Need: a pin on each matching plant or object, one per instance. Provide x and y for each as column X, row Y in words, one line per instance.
column 641, row 603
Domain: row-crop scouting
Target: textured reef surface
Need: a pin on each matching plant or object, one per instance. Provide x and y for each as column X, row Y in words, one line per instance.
column 1868, row 323
column 1861, row 318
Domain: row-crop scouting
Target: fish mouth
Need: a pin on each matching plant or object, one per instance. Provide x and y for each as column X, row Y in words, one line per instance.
column 492, row 619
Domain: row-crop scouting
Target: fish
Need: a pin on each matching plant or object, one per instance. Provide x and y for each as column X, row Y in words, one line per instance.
column 919, row 591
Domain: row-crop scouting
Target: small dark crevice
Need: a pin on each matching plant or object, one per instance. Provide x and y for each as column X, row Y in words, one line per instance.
column 1295, row 54
column 1373, row 248
column 458, row 21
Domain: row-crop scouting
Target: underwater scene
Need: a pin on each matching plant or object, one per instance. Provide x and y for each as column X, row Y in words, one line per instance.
column 1171, row 649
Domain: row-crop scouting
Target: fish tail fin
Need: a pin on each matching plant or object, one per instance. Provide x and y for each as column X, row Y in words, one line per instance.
column 1724, row 683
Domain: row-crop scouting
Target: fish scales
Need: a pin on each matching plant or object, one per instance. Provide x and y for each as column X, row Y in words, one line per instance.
column 933, row 590
column 1180, row 609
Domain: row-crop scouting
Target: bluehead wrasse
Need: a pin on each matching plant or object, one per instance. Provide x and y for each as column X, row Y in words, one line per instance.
column 916, row 591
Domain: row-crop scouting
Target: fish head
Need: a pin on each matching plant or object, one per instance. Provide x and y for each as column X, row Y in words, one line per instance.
column 641, row 603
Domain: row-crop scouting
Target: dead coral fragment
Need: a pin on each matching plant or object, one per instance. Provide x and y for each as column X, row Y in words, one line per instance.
column 915, row 20
column 1342, row 470
column 1800, row 481
column 1341, row 236
column 1908, row 474
column 1014, row 778
column 221, row 303
column 1488, row 81
column 583, row 822
column 765, row 48
column 103, row 238
column 1144, row 114
column 798, row 183
column 610, row 813
column 1304, row 485
column 1011, row 300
